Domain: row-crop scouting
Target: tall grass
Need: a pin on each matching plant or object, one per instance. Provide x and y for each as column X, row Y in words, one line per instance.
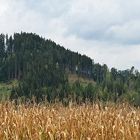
column 56, row 122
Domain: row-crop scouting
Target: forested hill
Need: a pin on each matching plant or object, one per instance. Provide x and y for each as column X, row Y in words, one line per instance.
column 24, row 51
column 42, row 68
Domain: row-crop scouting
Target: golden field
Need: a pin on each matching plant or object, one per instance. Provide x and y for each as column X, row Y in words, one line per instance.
column 75, row 122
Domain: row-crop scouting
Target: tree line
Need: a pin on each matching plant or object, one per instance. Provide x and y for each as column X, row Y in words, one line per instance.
column 42, row 67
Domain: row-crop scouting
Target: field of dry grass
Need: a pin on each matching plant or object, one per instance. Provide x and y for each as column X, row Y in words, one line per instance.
column 55, row 122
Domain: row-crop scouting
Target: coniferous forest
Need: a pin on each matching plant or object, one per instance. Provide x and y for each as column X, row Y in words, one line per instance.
column 43, row 68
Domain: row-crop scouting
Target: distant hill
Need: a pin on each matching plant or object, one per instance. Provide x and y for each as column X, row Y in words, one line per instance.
column 43, row 67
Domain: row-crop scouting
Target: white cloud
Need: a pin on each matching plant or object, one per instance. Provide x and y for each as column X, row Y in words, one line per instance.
column 106, row 30
column 128, row 33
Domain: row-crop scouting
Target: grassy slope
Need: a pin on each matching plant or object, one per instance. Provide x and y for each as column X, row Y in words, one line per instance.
column 5, row 89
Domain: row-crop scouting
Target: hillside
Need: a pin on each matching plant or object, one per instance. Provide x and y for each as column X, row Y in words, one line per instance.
column 44, row 68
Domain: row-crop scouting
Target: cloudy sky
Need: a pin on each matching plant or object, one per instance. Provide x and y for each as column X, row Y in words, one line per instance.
column 106, row 30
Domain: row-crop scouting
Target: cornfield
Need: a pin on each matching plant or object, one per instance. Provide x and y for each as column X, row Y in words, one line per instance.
column 75, row 122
